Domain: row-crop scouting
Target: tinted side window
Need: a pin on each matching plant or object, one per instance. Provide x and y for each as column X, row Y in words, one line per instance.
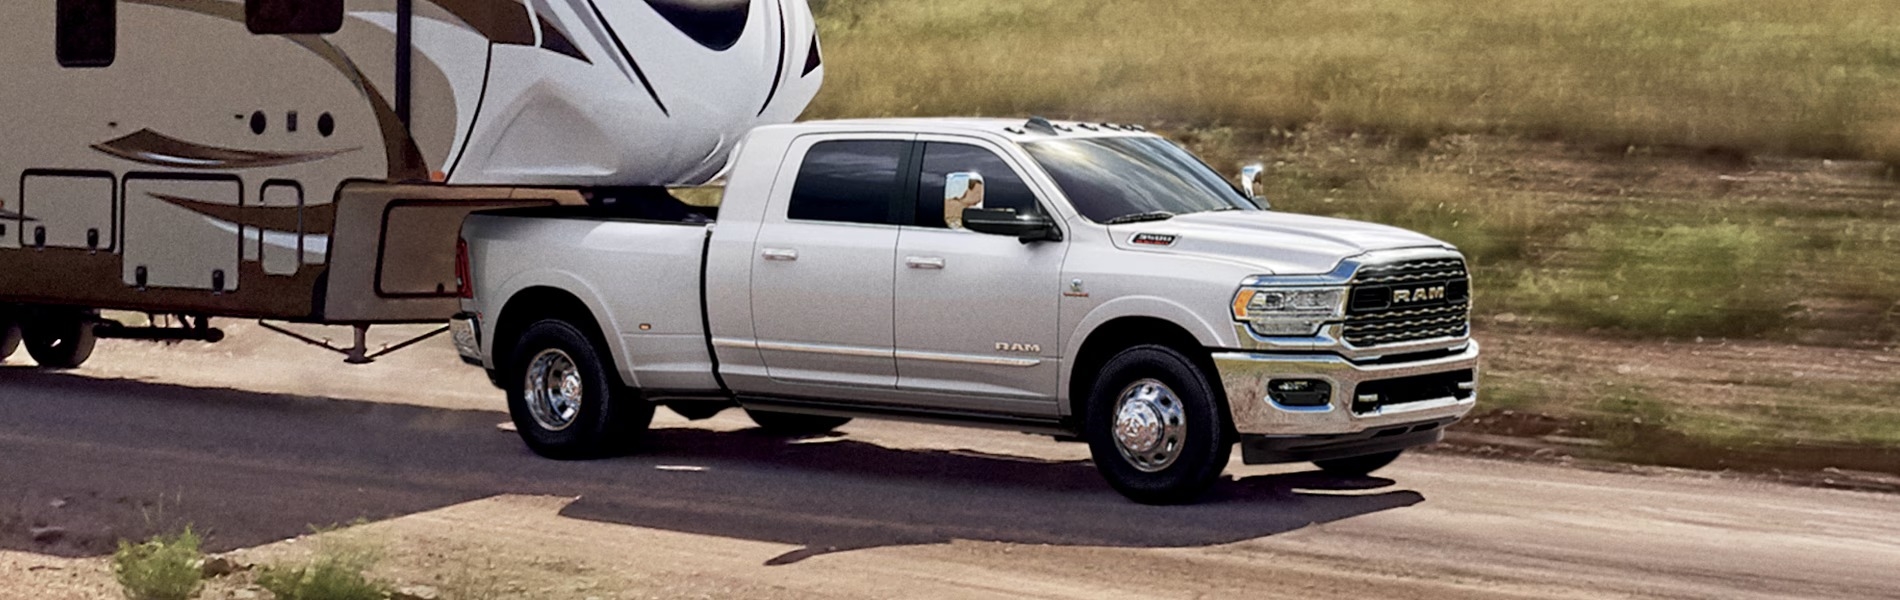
column 1001, row 187
column 293, row 16
column 852, row 181
column 88, row 33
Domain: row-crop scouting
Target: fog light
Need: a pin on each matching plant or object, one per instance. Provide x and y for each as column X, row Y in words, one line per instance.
column 1300, row 392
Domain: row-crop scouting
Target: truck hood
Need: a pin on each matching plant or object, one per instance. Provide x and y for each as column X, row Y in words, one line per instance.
column 1276, row 243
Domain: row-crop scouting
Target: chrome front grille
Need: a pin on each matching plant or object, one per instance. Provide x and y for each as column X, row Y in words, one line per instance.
column 1408, row 301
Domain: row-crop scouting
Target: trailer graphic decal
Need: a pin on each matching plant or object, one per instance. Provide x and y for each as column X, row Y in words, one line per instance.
column 404, row 156
column 315, row 218
column 153, row 148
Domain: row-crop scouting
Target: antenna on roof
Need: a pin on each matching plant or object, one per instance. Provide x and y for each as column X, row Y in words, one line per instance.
column 1042, row 125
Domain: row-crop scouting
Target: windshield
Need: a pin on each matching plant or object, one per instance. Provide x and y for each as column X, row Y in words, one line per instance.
column 1134, row 178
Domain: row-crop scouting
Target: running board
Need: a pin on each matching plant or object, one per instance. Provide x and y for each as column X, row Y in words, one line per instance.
column 833, row 408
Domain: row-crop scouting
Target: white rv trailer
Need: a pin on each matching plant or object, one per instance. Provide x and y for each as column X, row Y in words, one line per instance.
column 312, row 160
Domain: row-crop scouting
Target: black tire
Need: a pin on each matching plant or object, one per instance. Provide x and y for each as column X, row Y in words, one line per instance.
column 9, row 338
column 607, row 421
column 1358, row 466
column 780, row 423
column 60, row 339
column 1198, row 453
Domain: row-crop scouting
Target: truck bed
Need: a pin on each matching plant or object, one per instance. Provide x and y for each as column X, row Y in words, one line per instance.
column 579, row 250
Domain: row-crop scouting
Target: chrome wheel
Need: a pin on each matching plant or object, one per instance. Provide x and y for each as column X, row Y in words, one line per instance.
column 1150, row 425
column 554, row 389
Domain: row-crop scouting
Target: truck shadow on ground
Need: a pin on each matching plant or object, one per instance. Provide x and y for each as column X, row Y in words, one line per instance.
column 87, row 462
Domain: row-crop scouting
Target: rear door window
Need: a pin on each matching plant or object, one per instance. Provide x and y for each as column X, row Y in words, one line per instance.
column 850, row 181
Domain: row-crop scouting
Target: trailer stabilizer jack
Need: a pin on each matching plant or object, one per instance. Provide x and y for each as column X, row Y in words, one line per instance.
column 358, row 353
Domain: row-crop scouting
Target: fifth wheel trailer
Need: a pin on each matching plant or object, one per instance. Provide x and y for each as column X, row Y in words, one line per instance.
column 312, row 160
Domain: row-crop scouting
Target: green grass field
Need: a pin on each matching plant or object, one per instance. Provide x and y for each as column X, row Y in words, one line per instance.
column 1748, row 75
column 1242, row 80
column 1643, row 172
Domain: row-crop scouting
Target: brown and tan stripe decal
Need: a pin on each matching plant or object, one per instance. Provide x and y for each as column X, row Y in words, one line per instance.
column 556, row 41
column 507, row 22
column 501, row 21
column 153, row 148
column 10, row 215
column 399, row 145
column 404, row 157
column 315, row 218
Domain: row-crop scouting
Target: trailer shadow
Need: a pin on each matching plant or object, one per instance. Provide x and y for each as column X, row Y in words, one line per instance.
column 85, row 462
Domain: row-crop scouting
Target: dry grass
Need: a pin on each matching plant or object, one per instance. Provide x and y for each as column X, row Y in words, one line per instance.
column 162, row 568
column 1640, row 245
column 1747, row 75
column 1617, row 168
column 1719, row 279
column 336, row 572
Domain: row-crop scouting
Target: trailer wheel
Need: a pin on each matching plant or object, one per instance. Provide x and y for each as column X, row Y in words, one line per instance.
column 564, row 402
column 9, row 337
column 781, row 423
column 1357, row 466
column 60, row 339
column 1155, row 428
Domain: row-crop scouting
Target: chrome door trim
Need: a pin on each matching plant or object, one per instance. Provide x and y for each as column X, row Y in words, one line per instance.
column 971, row 359
column 834, row 350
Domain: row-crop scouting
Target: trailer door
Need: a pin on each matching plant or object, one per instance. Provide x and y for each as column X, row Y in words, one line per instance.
column 182, row 231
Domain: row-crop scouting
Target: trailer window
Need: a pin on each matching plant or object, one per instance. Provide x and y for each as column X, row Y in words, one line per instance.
column 291, row 17
column 88, row 33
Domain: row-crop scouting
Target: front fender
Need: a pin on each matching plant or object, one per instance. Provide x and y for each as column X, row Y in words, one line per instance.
column 1149, row 307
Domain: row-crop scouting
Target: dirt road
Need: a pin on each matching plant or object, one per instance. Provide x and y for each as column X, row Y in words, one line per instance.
column 256, row 440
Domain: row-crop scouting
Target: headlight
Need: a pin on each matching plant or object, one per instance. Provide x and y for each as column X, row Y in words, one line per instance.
column 1289, row 310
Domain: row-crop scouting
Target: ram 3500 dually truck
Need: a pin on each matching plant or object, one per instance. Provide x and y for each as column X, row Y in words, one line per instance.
column 1089, row 281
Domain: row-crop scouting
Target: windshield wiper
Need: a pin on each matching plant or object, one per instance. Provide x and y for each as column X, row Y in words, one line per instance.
column 1159, row 215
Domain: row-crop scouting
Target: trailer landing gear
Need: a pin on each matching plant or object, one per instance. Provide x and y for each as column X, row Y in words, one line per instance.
column 358, row 353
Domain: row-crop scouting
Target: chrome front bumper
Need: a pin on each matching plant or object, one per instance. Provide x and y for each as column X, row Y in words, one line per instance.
column 466, row 331
column 1245, row 375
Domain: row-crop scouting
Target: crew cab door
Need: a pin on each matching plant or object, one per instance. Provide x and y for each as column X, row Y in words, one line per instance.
column 977, row 324
column 822, row 287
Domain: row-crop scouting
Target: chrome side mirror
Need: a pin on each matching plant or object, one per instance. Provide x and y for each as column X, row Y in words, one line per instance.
column 1250, row 184
column 962, row 190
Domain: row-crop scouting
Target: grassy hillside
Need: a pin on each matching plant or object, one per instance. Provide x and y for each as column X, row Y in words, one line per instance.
column 1810, row 78
column 1636, row 182
column 1625, row 244
column 1279, row 80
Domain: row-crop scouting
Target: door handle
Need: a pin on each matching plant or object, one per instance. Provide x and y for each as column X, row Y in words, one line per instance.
column 920, row 262
column 785, row 254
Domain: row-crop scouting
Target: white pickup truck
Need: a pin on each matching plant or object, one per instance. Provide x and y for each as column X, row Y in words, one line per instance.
column 1089, row 281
